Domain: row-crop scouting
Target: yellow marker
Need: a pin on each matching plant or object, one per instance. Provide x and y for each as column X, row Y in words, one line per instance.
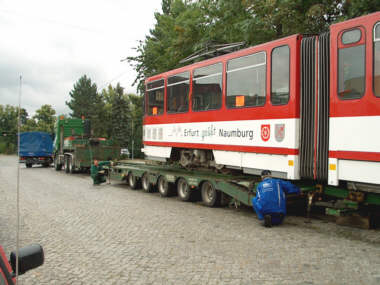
column 290, row 162
column 332, row 166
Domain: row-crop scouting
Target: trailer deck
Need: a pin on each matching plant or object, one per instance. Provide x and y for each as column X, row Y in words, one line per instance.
column 235, row 188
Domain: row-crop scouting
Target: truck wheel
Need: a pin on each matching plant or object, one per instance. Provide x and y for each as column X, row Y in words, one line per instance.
column 28, row 165
column 146, row 185
column 132, row 181
column 67, row 164
column 183, row 189
column 210, row 196
column 71, row 166
column 164, row 187
column 57, row 166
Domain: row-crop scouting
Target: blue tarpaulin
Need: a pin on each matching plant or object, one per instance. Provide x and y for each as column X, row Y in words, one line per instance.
column 35, row 144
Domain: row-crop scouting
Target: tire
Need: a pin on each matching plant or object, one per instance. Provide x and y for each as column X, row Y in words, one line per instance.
column 164, row 187
column 71, row 166
column 183, row 190
column 146, row 185
column 57, row 166
column 67, row 164
column 210, row 196
column 132, row 181
column 28, row 165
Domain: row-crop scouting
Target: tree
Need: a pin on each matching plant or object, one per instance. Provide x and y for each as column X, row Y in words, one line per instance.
column 173, row 38
column 85, row 101
column 117, row 114
column 185, row 27
column 120, row 117
column 9, row 127
column 356, row 8
column 108, row 96
column 137, row 112
column 44, row 119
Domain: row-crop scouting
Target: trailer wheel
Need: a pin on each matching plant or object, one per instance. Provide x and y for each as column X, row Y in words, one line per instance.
column 132, row 181
column 146, row 185
column 28, row 165
column 57, row 166
column 210, row 196
column 183, row 190
column 164, row 187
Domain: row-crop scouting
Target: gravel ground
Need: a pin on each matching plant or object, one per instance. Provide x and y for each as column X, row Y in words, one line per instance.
column 110, row 234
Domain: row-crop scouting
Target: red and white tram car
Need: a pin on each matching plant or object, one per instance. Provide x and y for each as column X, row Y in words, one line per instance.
column 302, row 107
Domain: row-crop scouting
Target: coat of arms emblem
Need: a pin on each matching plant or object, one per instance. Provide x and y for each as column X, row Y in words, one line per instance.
column 279, row 132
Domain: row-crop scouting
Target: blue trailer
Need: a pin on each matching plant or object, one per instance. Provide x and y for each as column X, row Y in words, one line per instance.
column 36, row 148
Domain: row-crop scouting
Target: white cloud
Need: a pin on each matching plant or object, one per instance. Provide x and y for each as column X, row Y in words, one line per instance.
column 52, row 43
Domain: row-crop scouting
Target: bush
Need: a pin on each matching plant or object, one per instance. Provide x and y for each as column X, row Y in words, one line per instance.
column 7, row 148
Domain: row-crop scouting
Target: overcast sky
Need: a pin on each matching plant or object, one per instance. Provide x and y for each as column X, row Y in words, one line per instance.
column 52, row 43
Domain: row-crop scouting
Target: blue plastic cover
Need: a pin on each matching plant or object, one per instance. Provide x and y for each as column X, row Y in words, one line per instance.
column 270, row 196
column 35, row 144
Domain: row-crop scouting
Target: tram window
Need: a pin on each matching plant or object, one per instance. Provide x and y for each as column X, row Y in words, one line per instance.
column 351, row 82
column 351, row 37
column 155, row 92
column 207, row 88
column 376, row 52
column 178, row 93
column 280, row 75
column 246, row 81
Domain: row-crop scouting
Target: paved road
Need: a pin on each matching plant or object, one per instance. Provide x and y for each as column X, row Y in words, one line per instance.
column 110, row 234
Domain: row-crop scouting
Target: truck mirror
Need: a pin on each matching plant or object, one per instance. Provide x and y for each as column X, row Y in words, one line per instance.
column 29, row 258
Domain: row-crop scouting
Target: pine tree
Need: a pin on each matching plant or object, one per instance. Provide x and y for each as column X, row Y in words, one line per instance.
column 121, row 117
column 85, row 101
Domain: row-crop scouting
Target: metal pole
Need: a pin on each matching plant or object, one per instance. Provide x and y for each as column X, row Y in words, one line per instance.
column 18, row 181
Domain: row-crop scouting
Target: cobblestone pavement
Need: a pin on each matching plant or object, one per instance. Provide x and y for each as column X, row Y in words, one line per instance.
column 110, row 234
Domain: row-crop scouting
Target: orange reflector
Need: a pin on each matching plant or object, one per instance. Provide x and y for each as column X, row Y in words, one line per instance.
column 332, row 166
column 154, row 111
column 291, row 162
column 239, row 101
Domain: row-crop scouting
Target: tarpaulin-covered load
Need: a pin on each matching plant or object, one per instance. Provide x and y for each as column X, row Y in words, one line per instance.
column 35, row 144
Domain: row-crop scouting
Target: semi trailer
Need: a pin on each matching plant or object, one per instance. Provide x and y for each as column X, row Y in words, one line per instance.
column 74, row 147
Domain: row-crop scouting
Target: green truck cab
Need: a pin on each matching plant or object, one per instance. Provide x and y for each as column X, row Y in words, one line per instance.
column 74, row 148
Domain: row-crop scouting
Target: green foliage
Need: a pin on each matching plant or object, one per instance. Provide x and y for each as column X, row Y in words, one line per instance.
column 85, row 101
column 43, row 121
column 173, row 38
column 120, row 117
column 356, row 8
column 123, row 115
column 185, row 27
column 9, row 128
column 137, row 113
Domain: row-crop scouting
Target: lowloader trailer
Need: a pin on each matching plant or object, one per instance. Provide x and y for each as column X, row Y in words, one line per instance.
column 218, row 189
